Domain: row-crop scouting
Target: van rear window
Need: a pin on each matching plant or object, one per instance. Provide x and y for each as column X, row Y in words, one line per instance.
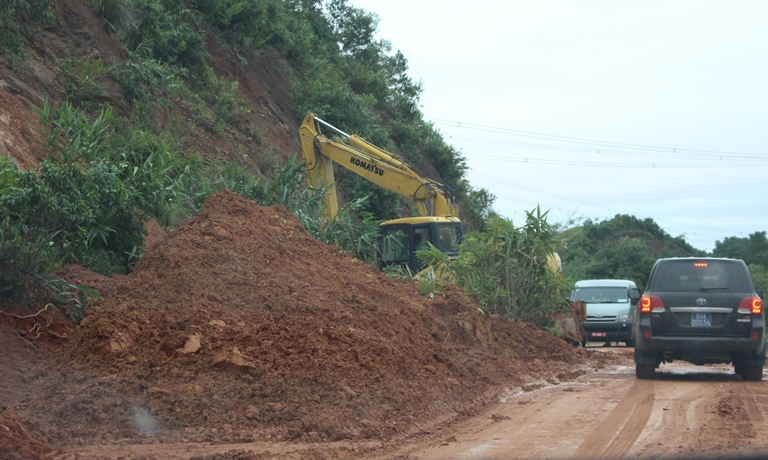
column 593, row 294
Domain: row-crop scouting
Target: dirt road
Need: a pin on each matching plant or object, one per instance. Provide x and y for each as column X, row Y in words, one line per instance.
column 686, row 412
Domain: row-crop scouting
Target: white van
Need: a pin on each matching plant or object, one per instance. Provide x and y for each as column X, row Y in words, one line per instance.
column 609, row 316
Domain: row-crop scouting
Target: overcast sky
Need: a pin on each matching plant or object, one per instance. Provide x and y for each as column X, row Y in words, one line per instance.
column 595, row 108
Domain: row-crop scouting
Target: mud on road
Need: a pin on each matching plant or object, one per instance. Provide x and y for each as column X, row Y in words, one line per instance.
column 685, row 412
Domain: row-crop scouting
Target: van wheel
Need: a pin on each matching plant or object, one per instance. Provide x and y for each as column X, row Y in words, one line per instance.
column 752, row 373
column 645, row 371
column 630, row 343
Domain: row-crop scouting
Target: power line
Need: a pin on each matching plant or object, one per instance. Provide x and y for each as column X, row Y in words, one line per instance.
column 534, row 160
column 611, row 209
column 597, row 151
column 592, row 142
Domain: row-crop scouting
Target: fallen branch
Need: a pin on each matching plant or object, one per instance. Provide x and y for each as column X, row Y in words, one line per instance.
column 37, row 327
column 29, row 316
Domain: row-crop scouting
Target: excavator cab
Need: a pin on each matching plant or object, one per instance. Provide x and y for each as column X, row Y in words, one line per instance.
column 403, row 237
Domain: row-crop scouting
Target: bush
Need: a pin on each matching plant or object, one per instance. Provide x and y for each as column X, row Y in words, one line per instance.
column 172, row 34
column 142, row 77
column 120, row 16
column 25, row 253
column 506, row 269
column 32, row 243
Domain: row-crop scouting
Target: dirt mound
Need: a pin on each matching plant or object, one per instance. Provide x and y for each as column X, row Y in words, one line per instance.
column 17, row 441
column 240, row 326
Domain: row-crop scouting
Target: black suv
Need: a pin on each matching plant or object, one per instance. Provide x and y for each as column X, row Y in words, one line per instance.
column 703, row 311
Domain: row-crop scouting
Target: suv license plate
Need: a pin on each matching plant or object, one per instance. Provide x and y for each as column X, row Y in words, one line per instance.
column 701, row 319
column 598, row 334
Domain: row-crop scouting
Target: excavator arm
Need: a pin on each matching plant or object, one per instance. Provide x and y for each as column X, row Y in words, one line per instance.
column 374, row 164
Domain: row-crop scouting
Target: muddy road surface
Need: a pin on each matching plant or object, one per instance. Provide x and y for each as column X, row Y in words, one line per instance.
column 686, row 412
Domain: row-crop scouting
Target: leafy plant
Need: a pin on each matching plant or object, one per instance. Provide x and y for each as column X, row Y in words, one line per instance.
column 71, row 136
column 220, row 97
column 164, row 183
column 81, row 78
column 120, row 16
column 70, row 298
column 25, row 253
column 505, row 268
column 144, row 78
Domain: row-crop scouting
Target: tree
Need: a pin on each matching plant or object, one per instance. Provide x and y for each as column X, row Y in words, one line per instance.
column 622, row 247
column 752, row 250
column 628, row 258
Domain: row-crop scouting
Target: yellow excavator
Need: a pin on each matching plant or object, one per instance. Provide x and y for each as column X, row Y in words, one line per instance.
column 438, row 222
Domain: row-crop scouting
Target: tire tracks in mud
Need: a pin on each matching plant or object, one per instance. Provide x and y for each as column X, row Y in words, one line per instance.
column 685, row 412
column 617, row 433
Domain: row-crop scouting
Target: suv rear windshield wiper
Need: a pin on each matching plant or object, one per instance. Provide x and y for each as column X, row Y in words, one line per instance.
column 707, row 289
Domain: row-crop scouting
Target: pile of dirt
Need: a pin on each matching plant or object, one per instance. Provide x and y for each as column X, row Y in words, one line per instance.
column 17, row 441
column 241, row 327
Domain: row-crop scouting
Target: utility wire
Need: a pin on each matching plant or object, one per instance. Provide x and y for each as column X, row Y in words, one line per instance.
column 608, row 152
column 590, row 204
column 594, row 142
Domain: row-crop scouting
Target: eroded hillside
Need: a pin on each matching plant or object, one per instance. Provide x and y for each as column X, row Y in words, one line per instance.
column 261, row 137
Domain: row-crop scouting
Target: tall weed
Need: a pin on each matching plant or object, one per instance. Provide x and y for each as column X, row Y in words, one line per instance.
column 505, row 267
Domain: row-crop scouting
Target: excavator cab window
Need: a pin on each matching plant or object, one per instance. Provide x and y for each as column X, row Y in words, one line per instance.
column 395, row 247
column 450, row 237
column 421, row 239
column 401, row 241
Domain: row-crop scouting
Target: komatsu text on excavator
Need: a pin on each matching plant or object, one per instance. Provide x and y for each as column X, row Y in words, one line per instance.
column 438, row 223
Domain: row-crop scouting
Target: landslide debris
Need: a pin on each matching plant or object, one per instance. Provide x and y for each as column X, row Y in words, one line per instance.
column 240, row 326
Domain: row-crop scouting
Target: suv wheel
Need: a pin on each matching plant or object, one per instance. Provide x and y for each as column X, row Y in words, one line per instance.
column 752, row 373
column 738, row 367
column 645, row 371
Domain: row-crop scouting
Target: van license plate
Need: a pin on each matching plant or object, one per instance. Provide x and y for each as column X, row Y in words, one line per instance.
column 598, row 334
column 701, row 319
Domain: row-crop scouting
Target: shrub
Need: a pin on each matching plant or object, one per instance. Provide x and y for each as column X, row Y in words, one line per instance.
column 506, row 269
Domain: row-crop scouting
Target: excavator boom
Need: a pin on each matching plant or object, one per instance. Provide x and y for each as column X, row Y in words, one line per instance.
column 374, row 164
column 438, row 223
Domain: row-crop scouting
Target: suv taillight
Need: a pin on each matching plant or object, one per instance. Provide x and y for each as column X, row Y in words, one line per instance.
column 751, row 306
column 651, row 304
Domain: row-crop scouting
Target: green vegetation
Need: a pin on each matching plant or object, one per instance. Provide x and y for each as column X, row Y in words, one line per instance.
column 110, row 166
column 20, row 18
column 753, row 250
column 87, row 201
column 624, row 247
column 505, row 268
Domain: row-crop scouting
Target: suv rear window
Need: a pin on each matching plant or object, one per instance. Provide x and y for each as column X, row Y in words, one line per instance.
column 705, row 275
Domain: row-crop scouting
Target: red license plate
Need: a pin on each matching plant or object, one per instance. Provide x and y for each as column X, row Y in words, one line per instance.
column 598, row 334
